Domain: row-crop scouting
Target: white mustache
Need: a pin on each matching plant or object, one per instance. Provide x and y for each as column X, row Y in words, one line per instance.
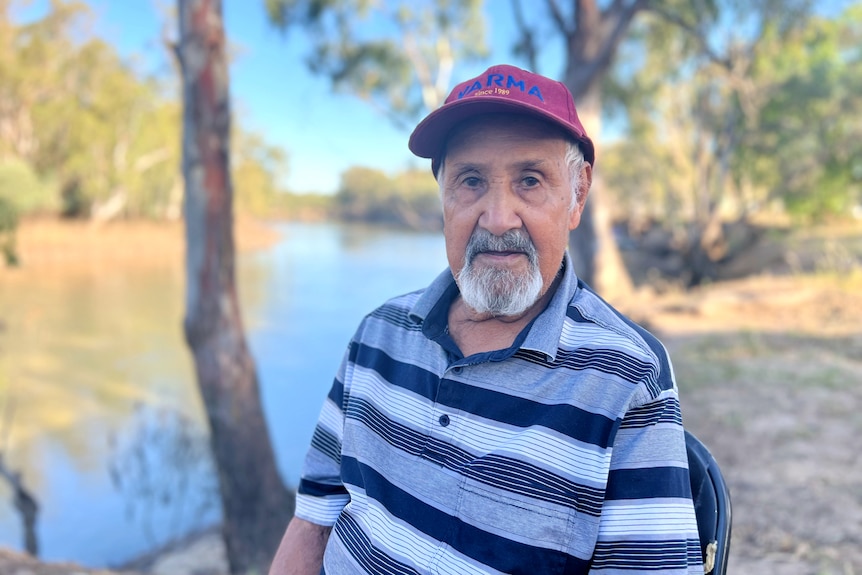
column 511, row 241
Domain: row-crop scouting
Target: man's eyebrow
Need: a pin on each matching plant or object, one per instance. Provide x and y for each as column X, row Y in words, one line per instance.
column 465, row 166
column 461, row 167
column 531, row 164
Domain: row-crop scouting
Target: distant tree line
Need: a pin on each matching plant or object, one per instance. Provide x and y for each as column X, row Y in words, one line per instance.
column 408, row 199
column 85, row 135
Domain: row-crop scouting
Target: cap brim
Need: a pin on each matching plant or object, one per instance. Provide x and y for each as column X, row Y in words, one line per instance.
column 430, row 135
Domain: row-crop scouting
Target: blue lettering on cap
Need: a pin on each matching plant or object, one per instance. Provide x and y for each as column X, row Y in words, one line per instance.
column 471, row 88
column 512, row 82
column 534, row 91
column 495, row 79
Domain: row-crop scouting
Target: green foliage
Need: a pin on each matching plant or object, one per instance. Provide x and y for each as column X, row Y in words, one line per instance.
column 8, row 225
column 84, row 135
column 257, row 169
column 808, row 136
column 397, row 55
column 304, row 207
column 765, row 115
column 410, row 199
column 24, row 191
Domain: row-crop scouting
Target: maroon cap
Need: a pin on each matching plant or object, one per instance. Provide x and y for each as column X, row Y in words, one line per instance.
column 500, row 89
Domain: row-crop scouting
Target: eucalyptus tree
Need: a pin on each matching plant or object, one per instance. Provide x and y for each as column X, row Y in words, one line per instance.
column 804, row 145
column 761, row 111
column 82, row 119
column 256, row 505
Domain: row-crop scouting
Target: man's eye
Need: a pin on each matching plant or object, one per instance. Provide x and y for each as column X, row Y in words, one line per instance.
column 472, row 181
column 530, row 181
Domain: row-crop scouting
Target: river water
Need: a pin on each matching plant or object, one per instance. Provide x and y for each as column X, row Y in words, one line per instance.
column 98, row 404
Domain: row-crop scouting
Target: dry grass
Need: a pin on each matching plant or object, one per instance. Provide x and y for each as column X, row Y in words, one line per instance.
column 44, row 244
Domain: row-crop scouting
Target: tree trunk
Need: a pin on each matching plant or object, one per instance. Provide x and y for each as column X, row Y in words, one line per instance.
column 595, row 254
column 592, row 38
column 255, row 503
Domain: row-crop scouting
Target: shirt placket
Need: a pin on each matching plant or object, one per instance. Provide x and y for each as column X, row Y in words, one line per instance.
column 445, row 425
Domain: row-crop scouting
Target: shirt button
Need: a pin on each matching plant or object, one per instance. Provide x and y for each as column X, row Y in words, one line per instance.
column 457, row 370
column 444, row 420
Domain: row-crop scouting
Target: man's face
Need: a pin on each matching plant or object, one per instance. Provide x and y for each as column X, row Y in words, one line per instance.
column 506, row 196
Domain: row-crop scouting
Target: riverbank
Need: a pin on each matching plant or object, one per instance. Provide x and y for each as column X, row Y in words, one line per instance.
column 200, row 554
column 69, row 245
column 769, row 370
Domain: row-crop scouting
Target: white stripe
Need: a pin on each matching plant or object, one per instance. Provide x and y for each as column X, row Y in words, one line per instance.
column 331, row 419
column 576, row 333
column 320, row 510
column 623, row 519
column 541, row 446
column 398, row 539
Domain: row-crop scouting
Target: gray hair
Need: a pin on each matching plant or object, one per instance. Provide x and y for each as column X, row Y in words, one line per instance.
column 574, row 160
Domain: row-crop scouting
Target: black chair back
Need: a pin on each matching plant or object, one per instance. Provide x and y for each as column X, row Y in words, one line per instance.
column 711, row 505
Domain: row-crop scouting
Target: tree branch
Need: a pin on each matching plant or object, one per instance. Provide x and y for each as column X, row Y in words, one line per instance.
column 693, row 31
column 560, row 19
column 527, row 43
column 619, row 15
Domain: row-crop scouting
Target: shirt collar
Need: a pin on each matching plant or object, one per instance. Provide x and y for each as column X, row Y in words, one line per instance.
column 544, row 335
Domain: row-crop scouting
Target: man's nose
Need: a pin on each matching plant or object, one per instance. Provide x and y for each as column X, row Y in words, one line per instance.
column 499, row 211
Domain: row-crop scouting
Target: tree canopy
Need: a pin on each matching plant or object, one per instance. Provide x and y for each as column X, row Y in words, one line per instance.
column 84, row 134
column 770, row 123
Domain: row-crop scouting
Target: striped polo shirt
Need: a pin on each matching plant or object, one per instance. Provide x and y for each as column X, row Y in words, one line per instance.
column 562, row 454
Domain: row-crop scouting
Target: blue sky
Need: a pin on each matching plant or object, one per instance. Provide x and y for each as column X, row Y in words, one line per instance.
column 323, row 133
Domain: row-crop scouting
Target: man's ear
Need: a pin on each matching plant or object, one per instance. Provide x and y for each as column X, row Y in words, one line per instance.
column 583, row 192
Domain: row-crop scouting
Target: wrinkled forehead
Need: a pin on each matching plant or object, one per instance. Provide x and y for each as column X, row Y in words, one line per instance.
column 490, row 127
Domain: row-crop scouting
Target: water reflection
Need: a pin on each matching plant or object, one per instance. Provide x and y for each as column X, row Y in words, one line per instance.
column 82, row 351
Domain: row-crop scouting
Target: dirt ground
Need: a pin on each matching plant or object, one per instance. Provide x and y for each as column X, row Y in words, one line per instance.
column 769, row 370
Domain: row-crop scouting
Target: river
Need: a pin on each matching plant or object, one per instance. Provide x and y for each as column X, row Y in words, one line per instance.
column 98, row 404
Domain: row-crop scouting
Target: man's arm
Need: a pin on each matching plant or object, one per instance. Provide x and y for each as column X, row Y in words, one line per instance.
column 648, row 523
column 301, row 549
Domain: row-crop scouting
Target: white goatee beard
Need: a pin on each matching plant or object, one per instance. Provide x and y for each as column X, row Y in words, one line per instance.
column 500, row 291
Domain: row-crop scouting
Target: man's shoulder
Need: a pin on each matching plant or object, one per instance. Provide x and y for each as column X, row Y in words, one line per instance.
column 396, row 313
column 588, row 308
column 592, row 319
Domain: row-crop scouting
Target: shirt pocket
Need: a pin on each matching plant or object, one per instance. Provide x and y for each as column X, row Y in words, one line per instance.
column 523, row 535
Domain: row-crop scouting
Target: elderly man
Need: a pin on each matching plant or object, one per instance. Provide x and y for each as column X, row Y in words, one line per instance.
column 505, row 419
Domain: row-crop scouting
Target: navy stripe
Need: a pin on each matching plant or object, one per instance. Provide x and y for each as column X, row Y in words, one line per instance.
column 316, row 489
column 397, row 316
column 396, row 434
column 569, row 420
column 517, row 477
column 648, row 483
column 495, row 470
column 663, row 380
column 336, row 393
column 643, row 555
column 399, row 374
column 361, row 549
column 608, row 361
column 326, row 443
column 665, row 411
column 499, row 553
